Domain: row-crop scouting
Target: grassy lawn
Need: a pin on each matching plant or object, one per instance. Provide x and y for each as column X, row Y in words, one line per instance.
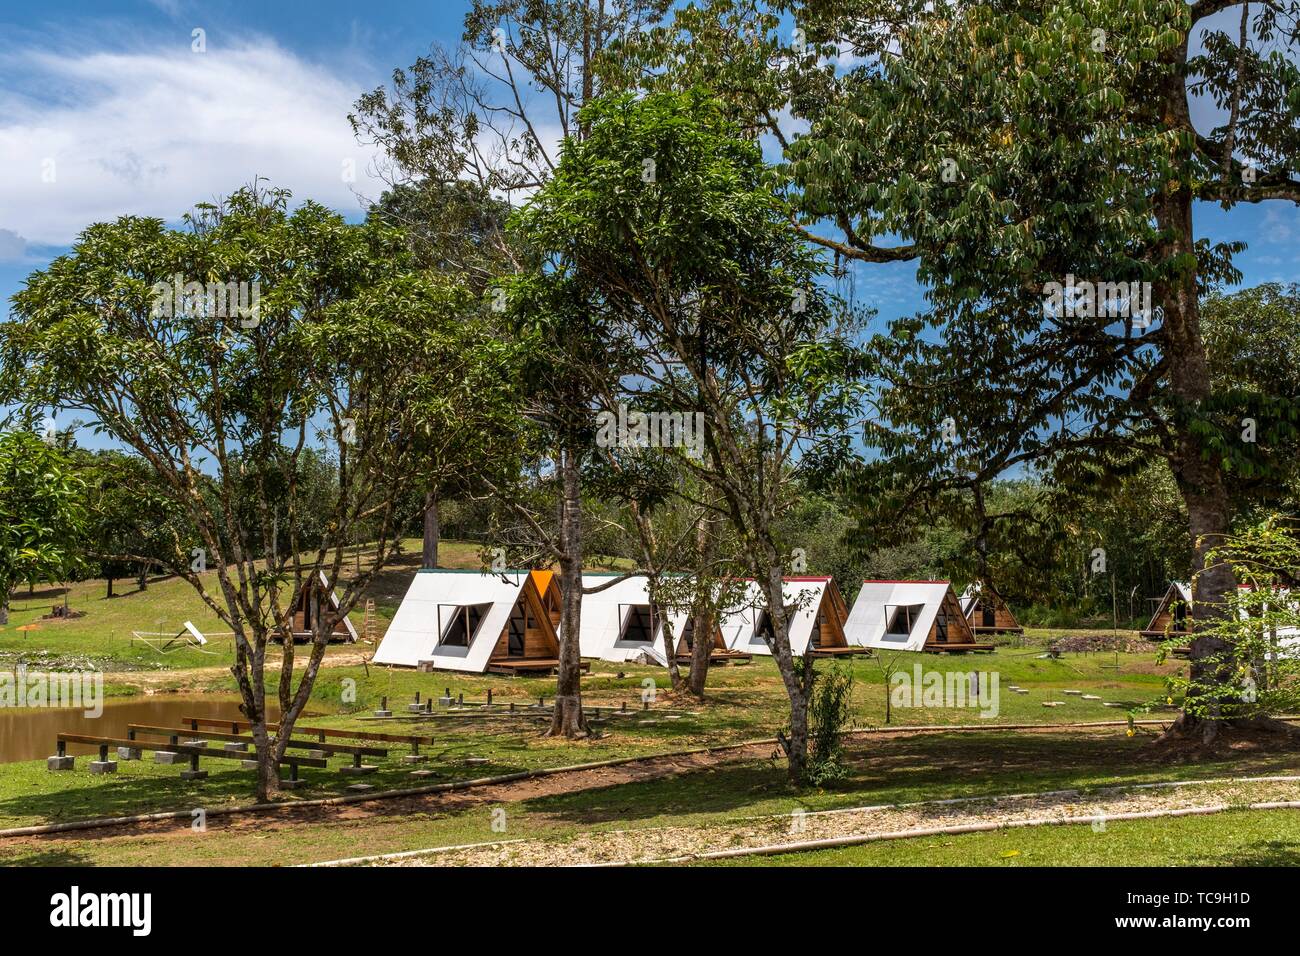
column 745, row 702
column 882, row 770
column 1232, row 838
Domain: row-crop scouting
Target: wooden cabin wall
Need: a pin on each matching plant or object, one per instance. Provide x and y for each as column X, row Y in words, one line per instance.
column 539, row 634
column 959, row 629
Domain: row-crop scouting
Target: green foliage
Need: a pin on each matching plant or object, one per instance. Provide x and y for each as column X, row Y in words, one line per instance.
column 830, row 713
column 1253, row 665
column 42, row 512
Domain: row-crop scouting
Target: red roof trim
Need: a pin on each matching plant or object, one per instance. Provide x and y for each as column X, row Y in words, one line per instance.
column 879, row 581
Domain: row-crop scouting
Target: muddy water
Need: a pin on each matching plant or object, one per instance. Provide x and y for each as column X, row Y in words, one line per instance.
column 29, row 734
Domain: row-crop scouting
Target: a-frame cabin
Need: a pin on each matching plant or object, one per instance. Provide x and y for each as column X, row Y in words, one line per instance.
column 1173, row 614
column 720, row 652
column 816, row 612
column 620, row 623
column 301, row 616
column 987, row 613
column 911, row 616
column 499, row 623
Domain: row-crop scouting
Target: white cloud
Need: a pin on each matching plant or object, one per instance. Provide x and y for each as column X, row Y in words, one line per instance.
column 151, row 131
column 12, row 246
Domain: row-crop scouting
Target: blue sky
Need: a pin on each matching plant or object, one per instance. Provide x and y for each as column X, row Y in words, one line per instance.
column 105, row 109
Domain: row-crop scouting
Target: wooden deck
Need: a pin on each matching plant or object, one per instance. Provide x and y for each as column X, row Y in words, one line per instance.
column 720, row 657
column 998, row 630
column 959, row 647
column 528, row 665
column 851, row 651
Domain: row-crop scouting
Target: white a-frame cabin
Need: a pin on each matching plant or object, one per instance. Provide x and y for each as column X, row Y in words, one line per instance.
column 621, row 623
column 499, row 622
column 910, row 616
column 816, row 612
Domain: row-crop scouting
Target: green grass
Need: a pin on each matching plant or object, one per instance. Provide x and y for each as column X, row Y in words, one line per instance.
column 881, row 770
column 1232, row 838
column 745, row 702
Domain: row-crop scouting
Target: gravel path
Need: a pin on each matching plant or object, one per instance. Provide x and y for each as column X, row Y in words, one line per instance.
column 671, row 843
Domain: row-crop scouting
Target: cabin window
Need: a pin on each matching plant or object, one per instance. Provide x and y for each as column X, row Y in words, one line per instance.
column 903, row 618
column 941, row 627
column 990, row 616
column 638, row 625
column 1180, row 616
column 817, row 631
column 463, row 625
column 765, row 631
column 515, row 632
column 688, row 633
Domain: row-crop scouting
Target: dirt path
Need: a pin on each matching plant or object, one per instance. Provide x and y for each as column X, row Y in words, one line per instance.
column 682, row 843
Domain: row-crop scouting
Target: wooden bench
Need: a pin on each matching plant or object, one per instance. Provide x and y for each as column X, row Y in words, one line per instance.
column 959, row 647
column 356, row 752
column 321, row 733
column 194, row 753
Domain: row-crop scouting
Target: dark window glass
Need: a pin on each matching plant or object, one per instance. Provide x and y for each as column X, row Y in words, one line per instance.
column 638, row 626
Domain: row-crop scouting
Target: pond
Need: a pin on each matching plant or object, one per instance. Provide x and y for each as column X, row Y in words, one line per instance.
column 28, row 734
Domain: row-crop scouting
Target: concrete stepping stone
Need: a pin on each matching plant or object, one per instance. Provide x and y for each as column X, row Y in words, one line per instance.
column 1072, row 693
column 1091, row 697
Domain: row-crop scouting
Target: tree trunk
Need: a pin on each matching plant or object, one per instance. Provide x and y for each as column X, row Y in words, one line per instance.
column 1197, row 471
column 432, row 529
column 796, row 746
column 4, row 609
column 703, row 624
column 704, row 620
column 144, row 578
column 110, row 587
column 568, row 720
column 670, row 650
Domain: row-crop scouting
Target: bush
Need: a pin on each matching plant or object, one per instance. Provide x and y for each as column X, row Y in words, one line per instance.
column 829, row 712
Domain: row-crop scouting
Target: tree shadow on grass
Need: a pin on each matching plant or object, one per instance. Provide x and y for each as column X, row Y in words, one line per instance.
column 892, row 770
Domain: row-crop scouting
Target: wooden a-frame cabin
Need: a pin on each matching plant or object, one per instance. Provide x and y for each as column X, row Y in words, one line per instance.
column 301, row 625
column 987, row 613
column 911, row 616
column 499, row 623
column 816, row 612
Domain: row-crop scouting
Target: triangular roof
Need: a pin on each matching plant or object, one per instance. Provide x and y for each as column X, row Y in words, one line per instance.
column 876, row 602
column 605, row 613
column 334, row 602
column 1177, row 591
column 805, row 593
column 976, row 596
column 416, row 630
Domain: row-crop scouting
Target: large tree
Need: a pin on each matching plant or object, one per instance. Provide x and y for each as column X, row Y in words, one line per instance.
column 665, row 223
column 490, row 116
column 330, row 344
column 1005, row 147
